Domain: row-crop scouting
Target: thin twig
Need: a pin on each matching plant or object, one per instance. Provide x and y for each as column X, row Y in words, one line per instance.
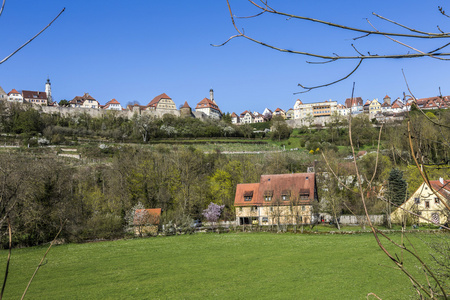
column 3, row 6
column 8, row 260
column 331, row 83
column 30, row 40
column 42, row 260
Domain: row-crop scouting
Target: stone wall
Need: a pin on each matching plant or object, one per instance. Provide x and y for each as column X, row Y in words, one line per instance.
column 99, row 112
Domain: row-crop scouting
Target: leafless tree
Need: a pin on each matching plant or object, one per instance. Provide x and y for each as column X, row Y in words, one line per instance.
column 263, row 7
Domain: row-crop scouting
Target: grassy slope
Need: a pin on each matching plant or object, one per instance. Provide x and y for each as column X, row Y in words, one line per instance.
column 226, row 266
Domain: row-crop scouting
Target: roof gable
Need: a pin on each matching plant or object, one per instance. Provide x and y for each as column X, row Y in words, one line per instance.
column 158, row 98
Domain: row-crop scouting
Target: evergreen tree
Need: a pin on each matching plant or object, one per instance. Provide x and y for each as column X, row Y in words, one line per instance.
column 396, row 187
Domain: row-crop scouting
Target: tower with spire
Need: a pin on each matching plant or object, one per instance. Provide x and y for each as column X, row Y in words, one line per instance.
column 48, row 91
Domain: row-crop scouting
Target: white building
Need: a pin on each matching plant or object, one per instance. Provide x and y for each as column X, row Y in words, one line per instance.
column 113, row 104
column 316, row 109
column 209, row 107
column 15, row 96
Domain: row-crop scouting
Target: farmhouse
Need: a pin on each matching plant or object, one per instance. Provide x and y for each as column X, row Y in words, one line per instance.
column 146, row 221
column 426, row 203
column 281, row 199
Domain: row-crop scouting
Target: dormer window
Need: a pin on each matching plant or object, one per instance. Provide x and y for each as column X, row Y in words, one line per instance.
column 268, row 194
column 286, row 195
column 248, row 195
column 304, row 194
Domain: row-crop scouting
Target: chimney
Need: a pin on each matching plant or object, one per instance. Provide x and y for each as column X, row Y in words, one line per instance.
column 211, row 95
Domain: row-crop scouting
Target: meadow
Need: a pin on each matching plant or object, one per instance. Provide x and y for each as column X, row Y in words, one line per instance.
column 205, row 266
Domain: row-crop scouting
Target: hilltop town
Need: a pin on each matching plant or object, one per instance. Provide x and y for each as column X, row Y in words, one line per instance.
column 302, row 114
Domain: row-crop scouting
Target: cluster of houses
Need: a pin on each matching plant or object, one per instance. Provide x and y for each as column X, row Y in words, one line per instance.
column 160, row 105
column 321, row 112
column 303, row 114
column 292, row 199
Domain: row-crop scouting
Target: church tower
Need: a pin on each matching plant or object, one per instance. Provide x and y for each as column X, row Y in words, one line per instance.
column 48, row 91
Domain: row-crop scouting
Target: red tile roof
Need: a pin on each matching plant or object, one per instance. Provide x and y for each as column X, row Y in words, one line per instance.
column 81, row 99
column 13, row 91
column 349, row 102
column 147, row 216
column 156, row 100
column 34, row 95
column 297, row 184
column 113, row 101
column 186, row 105
column 442, row 188
column 207, row 103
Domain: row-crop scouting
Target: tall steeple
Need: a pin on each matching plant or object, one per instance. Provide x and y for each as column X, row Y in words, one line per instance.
column 48, row 91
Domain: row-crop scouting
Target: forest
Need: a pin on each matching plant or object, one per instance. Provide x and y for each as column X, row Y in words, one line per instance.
column 168, row 169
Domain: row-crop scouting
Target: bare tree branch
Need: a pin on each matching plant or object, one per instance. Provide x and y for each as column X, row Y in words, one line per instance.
column 42, row 260
column 8, row 260
column 30, row 40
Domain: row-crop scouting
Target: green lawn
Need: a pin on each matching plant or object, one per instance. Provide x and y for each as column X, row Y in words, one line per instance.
column 221, row 266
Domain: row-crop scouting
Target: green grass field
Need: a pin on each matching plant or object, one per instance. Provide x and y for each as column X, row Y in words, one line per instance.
column 222, row 266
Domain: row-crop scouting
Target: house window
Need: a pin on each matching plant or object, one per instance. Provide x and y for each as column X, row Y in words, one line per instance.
column 268, row 194
column 271, row 209
column 240, row 209
column 436, row 200
column 303, row 208
column 417, row 200
column 265, row 219
column 254, row 209
column 285, row 195
column 248, row 195
column 427, row 204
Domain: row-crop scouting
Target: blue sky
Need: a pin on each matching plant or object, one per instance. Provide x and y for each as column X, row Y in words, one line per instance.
column 136, row 50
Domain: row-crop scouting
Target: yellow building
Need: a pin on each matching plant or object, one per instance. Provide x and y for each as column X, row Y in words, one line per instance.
column 428, row 206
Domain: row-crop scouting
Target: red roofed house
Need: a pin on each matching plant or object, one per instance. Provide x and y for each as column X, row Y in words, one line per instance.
column 15, row 96
column 162, row 103
column 247, row 117
column 113, row 104
column 209, row 107
column 235, row 118
column 277, row 200
column 85, row 101
column 280, row 112
column 35, row 97
column 146, row 221
column 427, row 204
